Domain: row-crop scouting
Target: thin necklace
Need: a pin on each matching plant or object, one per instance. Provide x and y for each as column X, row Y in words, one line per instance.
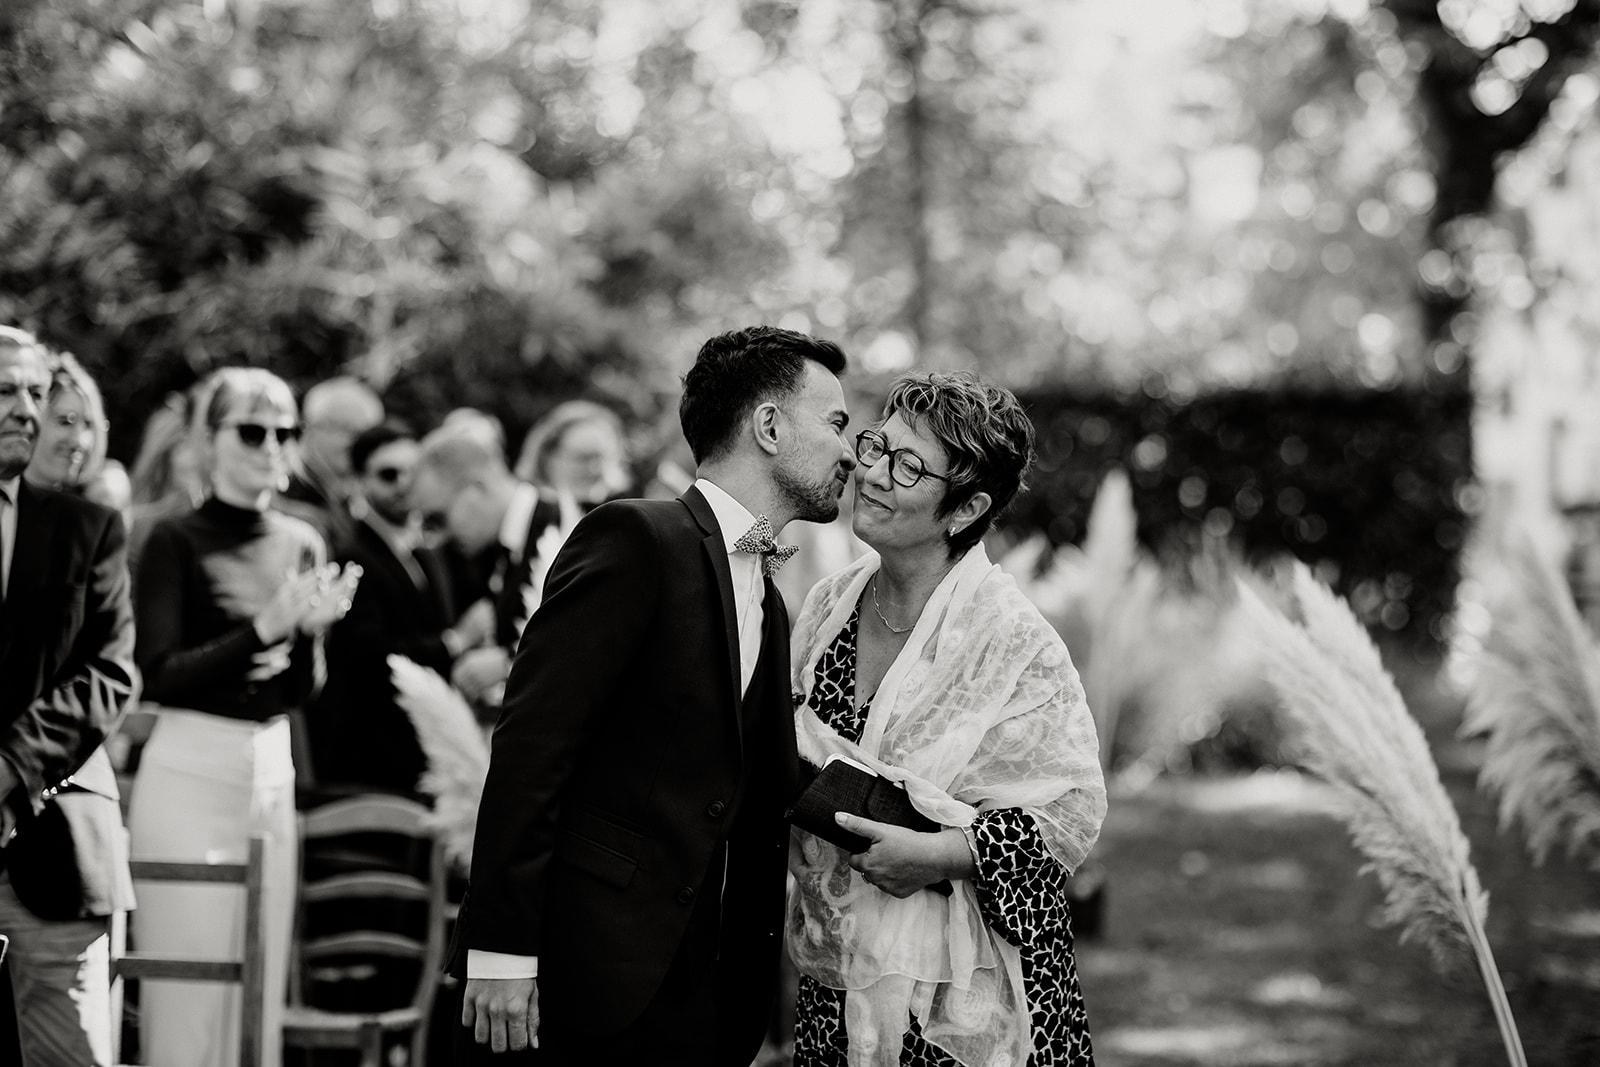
column 878, row 608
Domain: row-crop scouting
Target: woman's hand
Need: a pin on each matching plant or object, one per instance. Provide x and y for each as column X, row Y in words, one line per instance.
column 269, row 662
column 901, row 862
column 335, row 592
column 277, row 622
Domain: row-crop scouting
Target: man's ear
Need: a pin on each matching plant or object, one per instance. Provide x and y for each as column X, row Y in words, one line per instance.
column 764, row 420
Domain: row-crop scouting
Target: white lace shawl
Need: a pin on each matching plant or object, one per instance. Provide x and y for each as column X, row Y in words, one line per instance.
column 982, row 709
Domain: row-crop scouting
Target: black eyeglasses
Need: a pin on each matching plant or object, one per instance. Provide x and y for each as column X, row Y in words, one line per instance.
column 254, row 434
column 905, row 466
column 388, row 475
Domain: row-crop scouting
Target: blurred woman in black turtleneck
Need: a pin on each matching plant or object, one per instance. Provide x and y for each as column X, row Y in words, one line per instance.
column 232, row 600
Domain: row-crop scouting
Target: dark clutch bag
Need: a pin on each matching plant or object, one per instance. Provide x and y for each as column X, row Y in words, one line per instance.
column 844, row 786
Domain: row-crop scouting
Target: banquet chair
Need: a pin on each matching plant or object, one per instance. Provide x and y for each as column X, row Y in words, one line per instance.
column 248, row 969
column 366, row 880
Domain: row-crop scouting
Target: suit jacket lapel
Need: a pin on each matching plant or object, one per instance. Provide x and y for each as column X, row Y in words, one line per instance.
column 440, row 596
column 32, row 550
column 28, row 558
column 716, row 552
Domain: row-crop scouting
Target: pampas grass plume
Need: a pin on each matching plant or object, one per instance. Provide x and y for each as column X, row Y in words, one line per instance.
column 1350, row 727
column 1534, row 694
column 456, row 748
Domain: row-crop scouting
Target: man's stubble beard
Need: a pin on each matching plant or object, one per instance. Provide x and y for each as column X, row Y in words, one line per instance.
column 811, row 501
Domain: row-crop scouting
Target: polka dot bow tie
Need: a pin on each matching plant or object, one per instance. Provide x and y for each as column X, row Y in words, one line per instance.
column 758, row 542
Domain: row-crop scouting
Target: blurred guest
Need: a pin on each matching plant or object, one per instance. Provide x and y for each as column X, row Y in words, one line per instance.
column 464, row 489
column 577, row 452
column 72, row 441
column 233, row 599
column 361, row 737
column 166, row 477
column 66, row 677
column 111, row 488
column 475, row 420
column 72, row 435
column 926, row 663
column 320, row 485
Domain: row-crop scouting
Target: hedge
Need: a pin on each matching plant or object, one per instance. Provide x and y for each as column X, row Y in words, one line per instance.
column 1373, row 487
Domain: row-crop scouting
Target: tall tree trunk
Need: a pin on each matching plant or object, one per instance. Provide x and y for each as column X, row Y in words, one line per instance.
column 1468, row 144
column 912, row 45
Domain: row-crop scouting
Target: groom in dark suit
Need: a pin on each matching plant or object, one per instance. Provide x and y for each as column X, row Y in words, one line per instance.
column 626, row 897
column 66, row 678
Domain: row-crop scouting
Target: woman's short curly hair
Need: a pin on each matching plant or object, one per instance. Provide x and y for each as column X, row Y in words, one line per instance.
column 984, row 431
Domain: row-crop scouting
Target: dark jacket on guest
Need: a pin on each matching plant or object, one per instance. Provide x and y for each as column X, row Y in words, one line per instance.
column 67, row 677
column 360, row 736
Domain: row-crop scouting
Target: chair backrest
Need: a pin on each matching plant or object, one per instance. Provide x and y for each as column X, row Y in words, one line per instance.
column 363, row 877
column 249, row 970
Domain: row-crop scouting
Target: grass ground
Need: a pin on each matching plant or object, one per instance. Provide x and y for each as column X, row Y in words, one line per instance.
column 1239, row 931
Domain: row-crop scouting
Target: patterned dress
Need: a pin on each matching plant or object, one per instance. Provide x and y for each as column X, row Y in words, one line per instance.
column 1022, row 892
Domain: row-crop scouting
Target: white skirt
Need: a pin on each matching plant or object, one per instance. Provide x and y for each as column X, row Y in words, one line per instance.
column 205, row 784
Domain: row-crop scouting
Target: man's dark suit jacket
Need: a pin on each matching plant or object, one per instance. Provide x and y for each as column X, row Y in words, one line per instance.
column 622, row 766
column 310, row 496
column 66, row 679
column 359, row 734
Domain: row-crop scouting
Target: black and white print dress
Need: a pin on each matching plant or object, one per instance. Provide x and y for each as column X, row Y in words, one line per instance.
column 1022, row 892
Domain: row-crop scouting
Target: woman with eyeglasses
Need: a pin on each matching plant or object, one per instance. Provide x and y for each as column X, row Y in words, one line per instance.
column 924, row 663
column 232, row 600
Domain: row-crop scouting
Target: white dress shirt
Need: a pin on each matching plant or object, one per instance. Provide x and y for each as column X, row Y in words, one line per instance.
column 749, row 599
column 518, row 517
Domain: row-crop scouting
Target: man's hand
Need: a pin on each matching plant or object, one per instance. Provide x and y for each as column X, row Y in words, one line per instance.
column 502, row 1012
column 480, row 670
column 477, row 624
column 900, row 861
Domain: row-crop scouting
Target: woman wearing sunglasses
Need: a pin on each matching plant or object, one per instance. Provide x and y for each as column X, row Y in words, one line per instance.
column 232, row 600
column 923, row 662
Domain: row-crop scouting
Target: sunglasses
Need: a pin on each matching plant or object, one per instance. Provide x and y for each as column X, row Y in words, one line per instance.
column 254, row 434
column 388, row 475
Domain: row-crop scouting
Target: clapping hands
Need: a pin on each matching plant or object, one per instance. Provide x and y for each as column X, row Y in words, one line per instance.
column 335, row 592
column 307, row 603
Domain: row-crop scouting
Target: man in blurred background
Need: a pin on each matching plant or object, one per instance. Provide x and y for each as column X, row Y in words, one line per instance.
column 362, row 738
column 464, row 489
column 66, row 678
column 333, row 413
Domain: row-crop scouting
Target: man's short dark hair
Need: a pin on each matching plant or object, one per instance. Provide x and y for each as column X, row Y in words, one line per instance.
column 737, row 370
column 369, row 441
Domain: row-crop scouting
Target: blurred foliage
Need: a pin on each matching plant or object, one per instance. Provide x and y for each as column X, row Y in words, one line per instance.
column 1372, row 487
column 1490, row 77
column 403, row 190
column 501, row 203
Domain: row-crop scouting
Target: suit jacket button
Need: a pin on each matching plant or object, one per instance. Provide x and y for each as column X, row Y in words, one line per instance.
column 686, row 895
column 716, row 808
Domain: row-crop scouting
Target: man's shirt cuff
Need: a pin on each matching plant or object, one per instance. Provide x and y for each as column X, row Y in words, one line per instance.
column 482, row 964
